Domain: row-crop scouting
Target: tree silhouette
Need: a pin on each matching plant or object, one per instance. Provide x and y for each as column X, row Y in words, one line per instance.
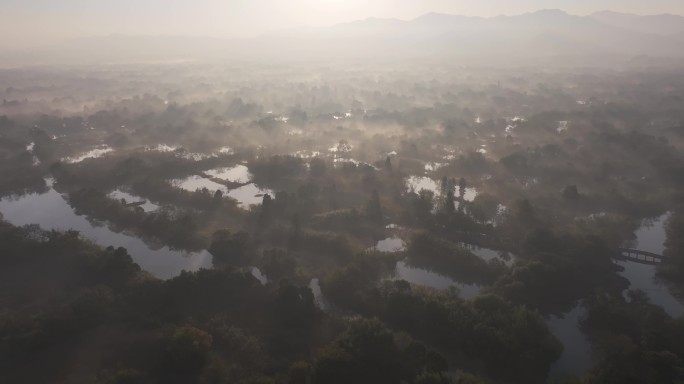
column 373, row 207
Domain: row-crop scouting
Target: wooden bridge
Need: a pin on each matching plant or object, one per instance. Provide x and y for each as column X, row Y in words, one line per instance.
column 638, row 256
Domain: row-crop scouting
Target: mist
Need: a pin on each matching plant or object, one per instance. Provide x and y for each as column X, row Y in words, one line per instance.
column 315, row 192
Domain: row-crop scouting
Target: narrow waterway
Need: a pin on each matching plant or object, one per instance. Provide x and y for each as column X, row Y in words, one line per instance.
column 50, row 210
column 576, row 358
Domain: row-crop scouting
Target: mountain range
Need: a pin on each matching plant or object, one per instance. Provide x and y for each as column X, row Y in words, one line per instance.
column 542, row 34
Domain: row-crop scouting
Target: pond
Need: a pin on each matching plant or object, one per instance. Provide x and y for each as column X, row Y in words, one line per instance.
column 129, row 198
column 195, row 182
column 256, row 272
column 490, row 254
column 51, row 211
column 391, row 245
column 431, row 279
column 245, row 195
column 236, row 174
column 249, row 194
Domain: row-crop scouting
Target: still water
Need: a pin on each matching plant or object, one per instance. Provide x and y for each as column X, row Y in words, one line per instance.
column 431, row 279
column 391, row 245
column 51, row 211
column 245, row 195
column 425, row 277
column 195, row 182
column 576, row 356
column 237, row 174
column 129, row 198
column 651, row 237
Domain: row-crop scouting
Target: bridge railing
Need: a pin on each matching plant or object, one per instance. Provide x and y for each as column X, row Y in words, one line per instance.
column 640, row 256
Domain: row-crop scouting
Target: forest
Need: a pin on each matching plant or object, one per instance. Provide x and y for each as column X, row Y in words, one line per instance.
column 341, row 222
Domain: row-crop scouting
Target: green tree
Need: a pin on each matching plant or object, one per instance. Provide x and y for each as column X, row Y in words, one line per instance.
column 295, row 237
column 317, row 167
column 366, row 353
column 187, row 349
column 449, row 206
column 462, row 188
column 570, row 192
column 230, row 248
column 373, row 208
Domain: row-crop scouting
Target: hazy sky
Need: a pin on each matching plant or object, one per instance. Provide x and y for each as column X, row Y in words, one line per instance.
column 30, row 21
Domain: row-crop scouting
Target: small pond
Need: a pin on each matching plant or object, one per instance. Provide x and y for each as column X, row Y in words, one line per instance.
column 390, row 245
column 195, row 182
column 129, row 198
column 256, row 272
column 236, row 174
column 431, row 279
column 245, row 195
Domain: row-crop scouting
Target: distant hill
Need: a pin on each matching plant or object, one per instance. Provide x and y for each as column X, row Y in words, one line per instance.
column 545, row 32
column 657, row 24
column 527, row 37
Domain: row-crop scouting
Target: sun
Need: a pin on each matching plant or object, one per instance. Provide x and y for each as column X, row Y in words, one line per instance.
column 333, row 4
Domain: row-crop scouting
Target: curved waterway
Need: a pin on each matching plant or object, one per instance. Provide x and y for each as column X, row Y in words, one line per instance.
column 50, row 210
column 651, row 237
column 420, row 276
column 576, row 357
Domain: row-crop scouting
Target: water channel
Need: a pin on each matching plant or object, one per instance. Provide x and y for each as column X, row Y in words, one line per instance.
column 50, row 210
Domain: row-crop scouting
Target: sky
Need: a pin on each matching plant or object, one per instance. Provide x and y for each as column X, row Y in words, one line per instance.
column 32, row 22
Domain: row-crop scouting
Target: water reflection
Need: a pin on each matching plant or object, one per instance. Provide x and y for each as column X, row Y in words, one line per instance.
column 236, row 174
column 129, row 198
column 249, row 194
column 245, row 195
column 319, row 299
column 576, row 360
column 490, row 254
column 576, row 357
column 51, row 211
column 194, row 182
column 390, row 245
column 643, row 277
column 434, row 280
column 256, row 272
column 651, row 237
column 92, row 154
